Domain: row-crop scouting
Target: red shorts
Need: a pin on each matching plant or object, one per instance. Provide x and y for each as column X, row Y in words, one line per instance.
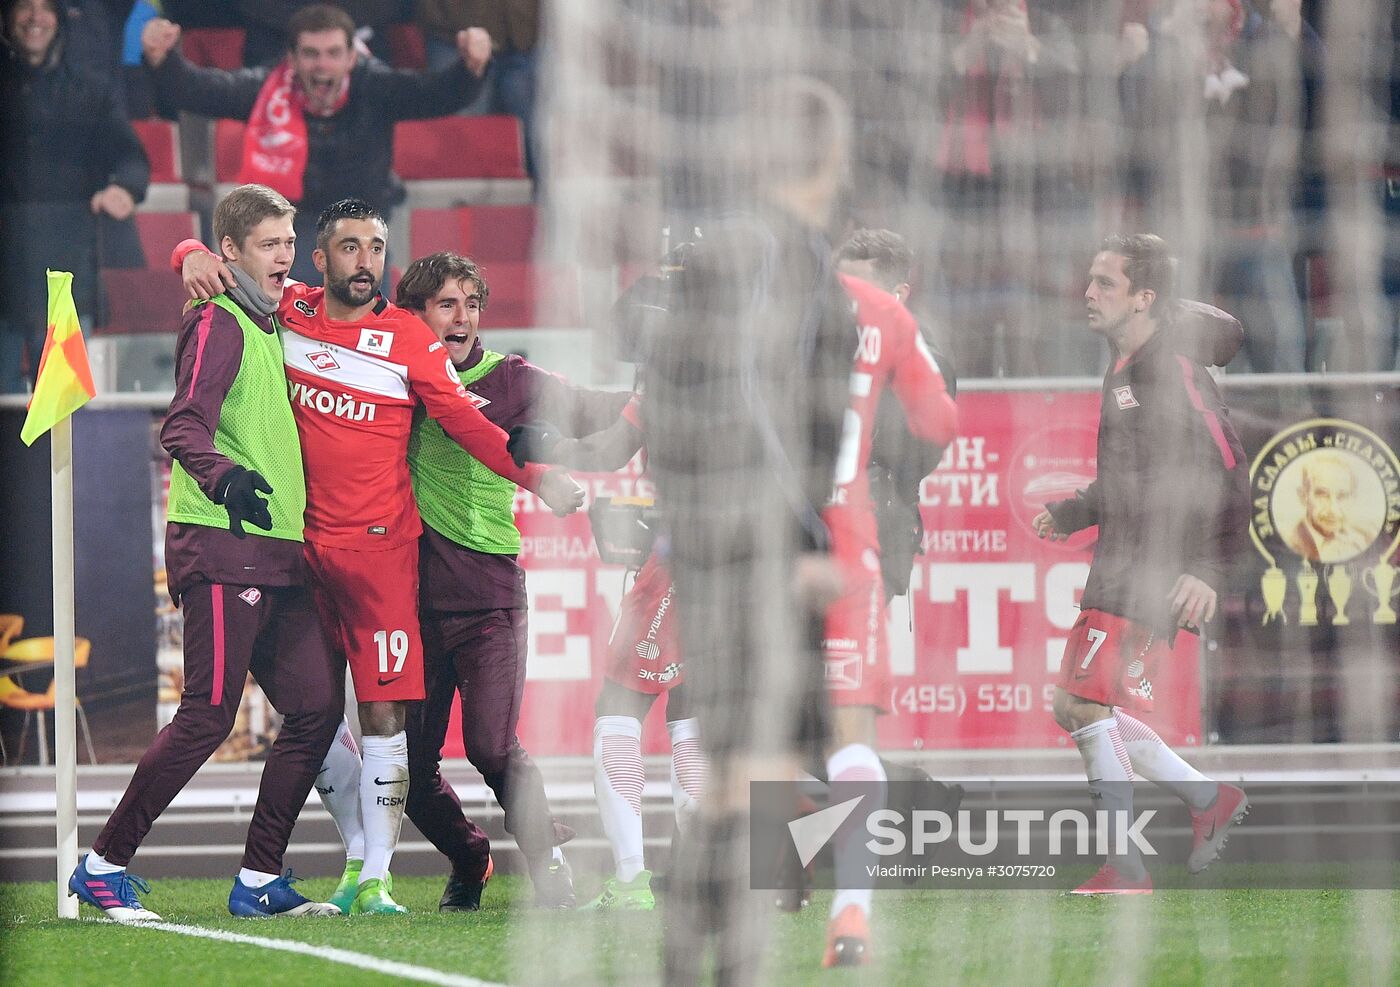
column 645, row 647
column 855, row 644
column 369, row 607
column 1110, row 660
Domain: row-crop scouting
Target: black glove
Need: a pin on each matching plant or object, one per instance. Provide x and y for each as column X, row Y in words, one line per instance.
column 237, row 491
column 533, row 443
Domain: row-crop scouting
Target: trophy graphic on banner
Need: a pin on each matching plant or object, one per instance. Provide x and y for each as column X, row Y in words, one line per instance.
column 1381, row 583
column 1339, row 588
column 1324, row 492
column 1274, row 585
column 1307, row 593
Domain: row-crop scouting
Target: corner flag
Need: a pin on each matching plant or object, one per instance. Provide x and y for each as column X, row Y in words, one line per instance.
column 65, row 380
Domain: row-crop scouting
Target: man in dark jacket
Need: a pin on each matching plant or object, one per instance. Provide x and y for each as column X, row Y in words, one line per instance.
column 1171, row 502
column 320, row 126
column 68, row 157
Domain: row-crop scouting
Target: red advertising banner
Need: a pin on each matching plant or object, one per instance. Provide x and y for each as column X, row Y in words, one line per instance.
column 974, row 647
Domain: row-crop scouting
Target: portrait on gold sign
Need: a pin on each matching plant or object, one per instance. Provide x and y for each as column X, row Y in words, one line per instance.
column 1327, row 493
column 1329, row 506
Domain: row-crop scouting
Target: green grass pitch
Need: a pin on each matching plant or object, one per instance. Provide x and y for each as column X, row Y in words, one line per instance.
column 1025, row 938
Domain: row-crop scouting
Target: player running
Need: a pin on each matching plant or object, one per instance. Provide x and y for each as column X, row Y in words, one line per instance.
column 645, row 662
column 1170, row 501
column 246, row 602
column 890, row 352
column 357, row 367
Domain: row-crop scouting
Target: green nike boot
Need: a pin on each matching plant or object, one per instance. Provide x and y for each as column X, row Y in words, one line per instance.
column 634, row 896
column 344, row 895
column 373, row 899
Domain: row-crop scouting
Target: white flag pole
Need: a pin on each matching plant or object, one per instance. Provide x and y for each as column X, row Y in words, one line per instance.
column 65, row 693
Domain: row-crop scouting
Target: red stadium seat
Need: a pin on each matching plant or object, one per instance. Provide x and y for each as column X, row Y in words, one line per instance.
column 143, row 300
column 484, row 233
column 160, row 231
column 168, row 191
column 162, row 142
column 525, row 296
column 214, row 47
column 150, row 298
column 407, row 48
column 228, row 149
column 459, row 147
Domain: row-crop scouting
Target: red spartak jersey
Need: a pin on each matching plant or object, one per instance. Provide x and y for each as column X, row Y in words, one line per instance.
column 353, row 387
column 890, row 351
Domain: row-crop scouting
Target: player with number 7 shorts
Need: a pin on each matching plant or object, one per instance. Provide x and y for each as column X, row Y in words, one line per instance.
column 1170, row 501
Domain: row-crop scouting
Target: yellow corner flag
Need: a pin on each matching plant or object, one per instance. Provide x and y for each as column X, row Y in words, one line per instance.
column 64, row 381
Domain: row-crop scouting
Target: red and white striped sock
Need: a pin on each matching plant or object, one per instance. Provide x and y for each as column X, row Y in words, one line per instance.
column 1162, row 766
column 618, row 780
column 338, row 784
column 855, row 763
column 1110, row 775
column 689, row 769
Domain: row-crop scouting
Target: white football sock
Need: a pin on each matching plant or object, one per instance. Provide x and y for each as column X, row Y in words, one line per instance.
column 255, row 878
column 383, row 795
column 1162, row 766
column 689, row 769
column 618, row 779
column 97, row 864
column 1110, row 775
column 855, row 763
column 338, row 784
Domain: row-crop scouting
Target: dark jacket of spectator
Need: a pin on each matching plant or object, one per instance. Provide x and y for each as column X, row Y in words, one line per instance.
column 350, row 152
column 512, row 24
column 66, row 138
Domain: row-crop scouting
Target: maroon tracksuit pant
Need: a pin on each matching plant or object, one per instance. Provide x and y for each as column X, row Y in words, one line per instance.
column 275, row 633
column 481, row 655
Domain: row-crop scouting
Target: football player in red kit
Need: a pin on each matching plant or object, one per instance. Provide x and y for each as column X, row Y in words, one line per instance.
column 890, row 352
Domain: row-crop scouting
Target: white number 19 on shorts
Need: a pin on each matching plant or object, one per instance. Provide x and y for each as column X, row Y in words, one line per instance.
column 396, row 643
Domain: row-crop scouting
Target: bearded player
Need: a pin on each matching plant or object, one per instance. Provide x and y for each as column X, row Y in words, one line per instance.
column 357, row 367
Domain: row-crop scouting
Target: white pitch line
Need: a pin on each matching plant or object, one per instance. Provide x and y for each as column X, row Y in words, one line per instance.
column 361, row 961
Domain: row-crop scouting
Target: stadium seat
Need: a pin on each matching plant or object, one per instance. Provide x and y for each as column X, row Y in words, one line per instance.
column 15, row 696
column 228, row 149
column 150, row 298
column 168, row 191
column 407, row 48
column 525, row 296
column 484, row 233
column 214, row 47
column 160, row 231
column 162, row 141
column 459, row 147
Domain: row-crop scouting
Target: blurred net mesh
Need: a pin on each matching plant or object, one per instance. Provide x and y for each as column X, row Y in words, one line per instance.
column 1002, row 166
